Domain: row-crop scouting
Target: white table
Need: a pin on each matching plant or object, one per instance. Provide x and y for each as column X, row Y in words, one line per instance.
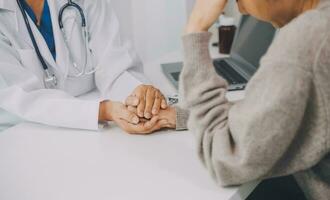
column 46, row 163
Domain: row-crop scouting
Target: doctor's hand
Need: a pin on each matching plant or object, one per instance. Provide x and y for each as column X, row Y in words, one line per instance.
column 148, row 100
column 166, row 117
column 204, row 15
column 127, row 120
column 117, row 112
column 144, row 127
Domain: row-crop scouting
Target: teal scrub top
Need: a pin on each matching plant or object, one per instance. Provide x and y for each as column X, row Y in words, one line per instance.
column 45, row 27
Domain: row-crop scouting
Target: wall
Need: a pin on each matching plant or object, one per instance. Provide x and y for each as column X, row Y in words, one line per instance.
column 233, row 11
column 123, row 9
column 157, row 26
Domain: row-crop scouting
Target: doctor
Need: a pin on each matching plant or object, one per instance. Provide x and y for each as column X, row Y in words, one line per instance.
column 51, row 52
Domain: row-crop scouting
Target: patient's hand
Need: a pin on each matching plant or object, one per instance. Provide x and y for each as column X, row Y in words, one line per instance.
column 148, row 100
column 128, row 120
column 144, row 127
column 166, row 118
column 169, row 115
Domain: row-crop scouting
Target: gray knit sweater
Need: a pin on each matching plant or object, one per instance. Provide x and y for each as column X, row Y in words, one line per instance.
column 282, row 125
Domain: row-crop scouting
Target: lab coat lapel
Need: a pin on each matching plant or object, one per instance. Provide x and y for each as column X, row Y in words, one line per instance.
column 17, row 22
column 8, row 5
column 44, row 50
column 62, row 54
column 23, row 32
column 22, row 29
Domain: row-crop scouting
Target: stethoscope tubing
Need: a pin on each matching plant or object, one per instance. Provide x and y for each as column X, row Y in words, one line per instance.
column 69, row 4
column 33, row 39
column 74, row 5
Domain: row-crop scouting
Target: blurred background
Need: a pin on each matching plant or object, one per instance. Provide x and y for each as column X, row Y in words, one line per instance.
column 155, row 26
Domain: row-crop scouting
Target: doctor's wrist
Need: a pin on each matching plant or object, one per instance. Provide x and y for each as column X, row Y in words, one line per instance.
column 104, row 114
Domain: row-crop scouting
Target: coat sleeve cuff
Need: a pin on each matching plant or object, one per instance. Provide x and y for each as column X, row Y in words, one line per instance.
column 86, row 115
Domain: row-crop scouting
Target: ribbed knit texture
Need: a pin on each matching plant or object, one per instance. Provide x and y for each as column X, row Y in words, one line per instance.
column 181, row 119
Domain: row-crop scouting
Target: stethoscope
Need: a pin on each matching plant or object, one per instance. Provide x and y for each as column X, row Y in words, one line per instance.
column 50, row 79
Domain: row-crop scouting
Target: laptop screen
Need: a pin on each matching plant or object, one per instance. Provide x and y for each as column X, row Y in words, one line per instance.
column 252, row 40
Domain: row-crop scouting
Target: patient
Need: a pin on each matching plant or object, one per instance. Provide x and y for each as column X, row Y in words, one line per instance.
column 281, row 127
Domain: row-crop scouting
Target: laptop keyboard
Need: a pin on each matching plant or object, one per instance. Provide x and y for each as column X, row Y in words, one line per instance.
column 227, row 72
column 224, row 70
column 176, row 75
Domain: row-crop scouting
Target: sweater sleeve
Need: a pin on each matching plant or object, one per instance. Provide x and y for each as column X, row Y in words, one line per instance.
column 181, row 119
column 250, row 139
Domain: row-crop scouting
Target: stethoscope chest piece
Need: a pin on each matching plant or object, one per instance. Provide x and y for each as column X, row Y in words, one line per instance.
column 50, row 80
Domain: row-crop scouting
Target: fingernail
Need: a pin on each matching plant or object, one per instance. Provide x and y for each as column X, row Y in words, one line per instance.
column 148, row 115
column 136, row 102
column 135, row 120
column 154, row 111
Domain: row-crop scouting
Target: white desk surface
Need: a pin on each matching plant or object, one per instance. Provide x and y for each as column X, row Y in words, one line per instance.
column 46, row 163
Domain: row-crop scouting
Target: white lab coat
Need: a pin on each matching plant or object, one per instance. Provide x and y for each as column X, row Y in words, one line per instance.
column 22, row 91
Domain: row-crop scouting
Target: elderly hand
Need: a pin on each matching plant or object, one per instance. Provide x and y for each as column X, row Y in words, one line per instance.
column 166, row 116
column 204, row 14
column 144, row 127
column 115, row 111
column 148, row 101
column 169, row 115
column 128, row 120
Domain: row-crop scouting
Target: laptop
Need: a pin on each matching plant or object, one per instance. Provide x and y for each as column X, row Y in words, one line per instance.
column 251, row 42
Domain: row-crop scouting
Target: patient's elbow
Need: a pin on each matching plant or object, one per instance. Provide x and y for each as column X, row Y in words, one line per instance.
column 233, row 173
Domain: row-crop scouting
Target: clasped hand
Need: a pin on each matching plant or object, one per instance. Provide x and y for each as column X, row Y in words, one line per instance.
column 144, row 111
